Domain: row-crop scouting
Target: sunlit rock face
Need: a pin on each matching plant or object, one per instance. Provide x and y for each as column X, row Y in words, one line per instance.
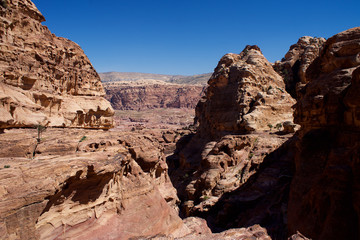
column 245, row 94
column 45, row 79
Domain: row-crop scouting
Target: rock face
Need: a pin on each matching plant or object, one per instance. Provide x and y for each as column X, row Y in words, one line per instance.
column 226, row 164
column 106, row 187
column 152, row 94
column 45, row 79
column 299, row 57
column 244, row 94
column 324, row 197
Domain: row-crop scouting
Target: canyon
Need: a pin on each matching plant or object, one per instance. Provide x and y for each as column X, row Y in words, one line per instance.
column 272, row 151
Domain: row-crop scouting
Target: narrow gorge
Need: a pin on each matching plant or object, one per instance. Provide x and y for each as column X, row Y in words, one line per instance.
column 272, row 153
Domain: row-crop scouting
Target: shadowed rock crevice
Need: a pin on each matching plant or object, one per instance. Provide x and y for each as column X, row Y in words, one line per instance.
column 262, row 199
column 228, row 171
column 324, row 193
column 80, row 188
column 294, row 65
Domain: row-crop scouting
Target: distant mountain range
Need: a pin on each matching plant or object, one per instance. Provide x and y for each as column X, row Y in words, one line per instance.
column 200, row 79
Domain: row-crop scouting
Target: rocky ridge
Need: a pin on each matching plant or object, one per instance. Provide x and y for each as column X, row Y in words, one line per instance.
column 199, row 79
column 45, row 79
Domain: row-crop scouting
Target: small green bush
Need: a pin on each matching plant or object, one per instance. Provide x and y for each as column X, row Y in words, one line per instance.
column 81, row 140
column 206, row 197
column 40, row 129
column 7, row 166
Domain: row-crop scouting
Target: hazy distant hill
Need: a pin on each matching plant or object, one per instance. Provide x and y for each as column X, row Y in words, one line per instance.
column 194, row 79
column 133, row 76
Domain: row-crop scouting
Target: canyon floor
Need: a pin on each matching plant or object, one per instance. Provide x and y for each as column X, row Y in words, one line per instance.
column 158, row 118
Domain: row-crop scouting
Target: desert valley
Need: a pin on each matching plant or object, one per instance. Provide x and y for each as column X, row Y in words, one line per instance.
column 253, row 150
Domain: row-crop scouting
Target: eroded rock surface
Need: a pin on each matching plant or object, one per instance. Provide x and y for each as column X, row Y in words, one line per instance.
column 104, row 187
column 245, row 94
column 45, row 79
column 226, row 171
column 324, row 197
column 299, row 57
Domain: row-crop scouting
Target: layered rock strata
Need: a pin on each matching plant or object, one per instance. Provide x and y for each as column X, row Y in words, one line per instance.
column 45, row 79
column 150, row 95
column 324, row 197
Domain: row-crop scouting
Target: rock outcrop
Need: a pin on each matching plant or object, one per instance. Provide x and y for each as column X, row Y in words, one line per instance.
column 299, row 57
column 103, row 187
column 325, row 198
column 45, row 79
column 226, row 164
column 152, row 94
column 245, row 94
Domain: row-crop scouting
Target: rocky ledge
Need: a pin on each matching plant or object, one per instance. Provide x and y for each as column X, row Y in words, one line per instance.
column 84, row 184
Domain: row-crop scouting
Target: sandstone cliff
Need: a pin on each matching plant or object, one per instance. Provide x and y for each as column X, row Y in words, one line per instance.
column 142, row 95
column 45, row 79
column 324, row 197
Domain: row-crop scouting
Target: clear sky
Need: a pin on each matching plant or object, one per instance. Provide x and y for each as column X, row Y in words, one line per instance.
column 190, row 36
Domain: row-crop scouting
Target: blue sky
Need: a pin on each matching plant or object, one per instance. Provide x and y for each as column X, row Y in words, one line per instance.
column 189, row 36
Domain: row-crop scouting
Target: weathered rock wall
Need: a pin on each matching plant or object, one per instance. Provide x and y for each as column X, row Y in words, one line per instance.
column 225, row 164
column 45, row 79
column 103, row 187
column 324, row 197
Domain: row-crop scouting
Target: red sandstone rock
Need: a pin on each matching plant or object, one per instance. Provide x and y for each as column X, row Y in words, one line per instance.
column 103, row 190
column 45, row 79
